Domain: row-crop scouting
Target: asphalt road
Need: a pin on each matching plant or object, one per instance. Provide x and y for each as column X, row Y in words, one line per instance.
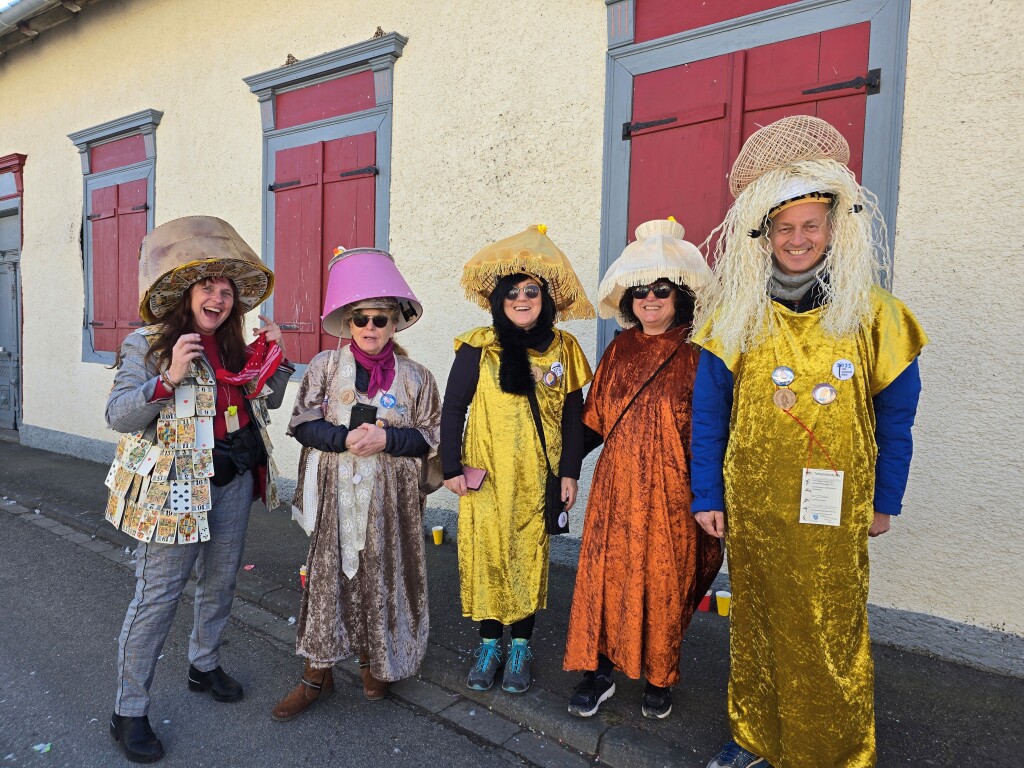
column 62, row 609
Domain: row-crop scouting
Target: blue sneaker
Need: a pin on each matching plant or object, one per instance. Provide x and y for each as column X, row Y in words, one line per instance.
column 735, row 756
column 517, row 669
column 488, row 655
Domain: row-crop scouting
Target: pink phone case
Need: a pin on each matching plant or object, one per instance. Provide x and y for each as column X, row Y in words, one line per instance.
column 474, row 477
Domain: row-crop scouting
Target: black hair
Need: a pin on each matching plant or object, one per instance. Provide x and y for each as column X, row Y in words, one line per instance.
column 546, row 320
column 684, row 305
column 514, row 374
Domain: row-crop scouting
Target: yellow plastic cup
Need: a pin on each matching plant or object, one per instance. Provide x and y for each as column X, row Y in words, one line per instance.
column 722, row 599
column 438, row 531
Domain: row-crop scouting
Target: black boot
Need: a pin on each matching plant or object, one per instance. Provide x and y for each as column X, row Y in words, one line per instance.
column 137, row 740
column 216, row 681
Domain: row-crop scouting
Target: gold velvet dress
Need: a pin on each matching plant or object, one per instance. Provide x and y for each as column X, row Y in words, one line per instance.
column 644, row 562
column 801, row 681
column 503, row 547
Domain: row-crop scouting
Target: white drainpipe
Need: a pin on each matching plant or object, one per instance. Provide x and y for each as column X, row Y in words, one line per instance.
column 22, row 10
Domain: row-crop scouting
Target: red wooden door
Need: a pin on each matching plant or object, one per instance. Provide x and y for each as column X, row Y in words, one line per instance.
column 324, row 196
column 119, row 220
column 690, row 121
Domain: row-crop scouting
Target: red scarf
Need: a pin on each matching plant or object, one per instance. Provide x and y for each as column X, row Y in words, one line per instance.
column 263, row 361
column 380, row 366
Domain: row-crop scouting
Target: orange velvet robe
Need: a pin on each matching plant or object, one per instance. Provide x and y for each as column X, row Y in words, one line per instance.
column 644, row 562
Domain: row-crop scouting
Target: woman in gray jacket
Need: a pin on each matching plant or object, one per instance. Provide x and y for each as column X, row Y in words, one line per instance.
column 192, row 401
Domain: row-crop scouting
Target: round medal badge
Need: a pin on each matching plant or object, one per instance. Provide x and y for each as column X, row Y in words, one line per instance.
column 550, row 379
column 536, row 372
column 382, row 423
column 556, row 368
column 783, row 376
column 784, row 398
column 387, row 400
column 823, row 394
column 563, row 519
column 842, row 369
column 348, row 396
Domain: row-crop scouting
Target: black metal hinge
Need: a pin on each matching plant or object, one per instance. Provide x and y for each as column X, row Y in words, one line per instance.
column 283, row 184
column 93, row 216
column 628, row 129
column 143, row 207
column 873, row 84
column 360, row 171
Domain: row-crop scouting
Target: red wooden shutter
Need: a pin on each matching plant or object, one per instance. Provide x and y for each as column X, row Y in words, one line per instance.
column 324, row 196
column 118, row 214
column 690, row 121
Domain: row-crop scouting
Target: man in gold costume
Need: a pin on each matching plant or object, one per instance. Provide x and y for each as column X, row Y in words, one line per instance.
column 805, row 396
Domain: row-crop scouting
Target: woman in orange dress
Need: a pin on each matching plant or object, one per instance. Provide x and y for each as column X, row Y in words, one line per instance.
column 644, row 563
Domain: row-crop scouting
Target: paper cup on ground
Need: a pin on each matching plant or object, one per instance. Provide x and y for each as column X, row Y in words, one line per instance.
column 438, row 531
column 705, row 602
column 722, row 600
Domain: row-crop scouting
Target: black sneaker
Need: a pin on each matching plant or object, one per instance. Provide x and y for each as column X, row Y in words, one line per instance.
column 657, row 702
column 592, row 690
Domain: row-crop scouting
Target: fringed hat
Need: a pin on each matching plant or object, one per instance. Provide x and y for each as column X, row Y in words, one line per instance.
column 530, row 252
column 366, row 278
column 786, row 141
column 659, row 251
column 183, row 251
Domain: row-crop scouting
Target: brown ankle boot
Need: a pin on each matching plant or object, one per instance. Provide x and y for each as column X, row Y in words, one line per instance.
column 373, row 689
column 315, row 684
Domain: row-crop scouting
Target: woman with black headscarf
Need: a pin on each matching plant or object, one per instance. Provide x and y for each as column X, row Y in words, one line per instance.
column 510, row 376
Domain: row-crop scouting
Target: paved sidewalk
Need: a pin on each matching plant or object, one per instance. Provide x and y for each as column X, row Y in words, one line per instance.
column 929, row 711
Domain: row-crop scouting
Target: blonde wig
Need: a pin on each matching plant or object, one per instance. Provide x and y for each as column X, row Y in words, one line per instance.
column 737, row 305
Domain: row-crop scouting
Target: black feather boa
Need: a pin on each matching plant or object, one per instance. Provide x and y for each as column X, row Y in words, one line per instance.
column 514, row 374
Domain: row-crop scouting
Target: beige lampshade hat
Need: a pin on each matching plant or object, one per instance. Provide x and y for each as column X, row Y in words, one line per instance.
column 658, row 251
column 183, row 251
column 530, row 252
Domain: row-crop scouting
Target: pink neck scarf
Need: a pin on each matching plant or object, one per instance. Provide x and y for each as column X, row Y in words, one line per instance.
column 261, row 365
column 380, row 366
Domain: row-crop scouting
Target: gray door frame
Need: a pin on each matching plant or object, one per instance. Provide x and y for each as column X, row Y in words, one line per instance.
column 890, row 20
column 10, row 259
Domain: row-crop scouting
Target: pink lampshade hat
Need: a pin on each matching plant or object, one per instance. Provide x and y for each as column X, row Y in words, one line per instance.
column 359, row 275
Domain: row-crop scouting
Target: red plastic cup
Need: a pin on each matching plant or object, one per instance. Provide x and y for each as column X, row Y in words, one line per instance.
column 705, row 603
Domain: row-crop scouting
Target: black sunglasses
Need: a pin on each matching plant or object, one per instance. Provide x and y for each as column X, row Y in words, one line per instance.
column 529, row 291
column 379, row 321
column 661, row 290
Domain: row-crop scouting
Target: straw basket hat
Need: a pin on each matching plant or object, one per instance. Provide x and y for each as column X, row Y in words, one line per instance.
column 530, row 252
column 181, row 252
column 659, row 251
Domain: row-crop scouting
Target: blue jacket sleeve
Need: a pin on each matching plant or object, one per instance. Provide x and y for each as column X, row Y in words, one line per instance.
column 712, row 408
column 895, row 409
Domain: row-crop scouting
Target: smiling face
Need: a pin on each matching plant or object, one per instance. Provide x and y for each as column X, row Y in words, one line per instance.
column 799, row 236
column 655, row 315
column 211, row 301
column 523, row 310
column 371, row 339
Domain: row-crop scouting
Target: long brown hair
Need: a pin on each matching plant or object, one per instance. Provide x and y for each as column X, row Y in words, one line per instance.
column 230, row 338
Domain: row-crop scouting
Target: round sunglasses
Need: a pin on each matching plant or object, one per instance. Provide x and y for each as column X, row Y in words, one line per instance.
column 379, row 321
column 660, row 290
column 529, row 291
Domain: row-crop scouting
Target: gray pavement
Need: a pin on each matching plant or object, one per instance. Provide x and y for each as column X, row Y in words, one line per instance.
column 929, row 711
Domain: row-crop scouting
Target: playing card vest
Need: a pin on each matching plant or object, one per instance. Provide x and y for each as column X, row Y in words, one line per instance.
column 159, row 480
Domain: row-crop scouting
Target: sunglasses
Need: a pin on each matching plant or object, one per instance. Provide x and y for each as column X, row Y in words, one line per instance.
column 379, row 321
column 661, row 290
column 529, row 291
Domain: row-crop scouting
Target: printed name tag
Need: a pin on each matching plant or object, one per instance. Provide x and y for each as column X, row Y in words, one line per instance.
column 821, row 496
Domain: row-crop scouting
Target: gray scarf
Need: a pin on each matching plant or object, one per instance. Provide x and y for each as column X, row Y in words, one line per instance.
column 791, row 287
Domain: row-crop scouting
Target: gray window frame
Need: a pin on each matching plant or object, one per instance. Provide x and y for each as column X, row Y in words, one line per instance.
column 144, row 123
column 626, row 59
column 377, row 55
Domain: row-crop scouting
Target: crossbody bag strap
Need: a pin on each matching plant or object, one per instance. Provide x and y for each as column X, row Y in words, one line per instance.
column 636, row 394
column 531, row 395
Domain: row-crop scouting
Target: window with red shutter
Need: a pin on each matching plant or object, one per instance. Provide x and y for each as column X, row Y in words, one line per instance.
column 119, row 165
column 327, row 142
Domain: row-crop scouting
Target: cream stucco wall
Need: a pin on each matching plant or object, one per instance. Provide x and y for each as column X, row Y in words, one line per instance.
column 957, row 550
column 498, row 121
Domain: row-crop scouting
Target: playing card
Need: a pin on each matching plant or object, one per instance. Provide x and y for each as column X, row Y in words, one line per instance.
column 185, row 435
column 183, row 465
column 165, row 432
column 156, row 496
column 184, row 401
column 202, row 463
column 111, row 473
column 201, row 495
column 147, row 524
column 162, row 470
column 115, row 510
column 166, row 528
column 205, row 403
column 204, row 526
column 135, row 454
column 150, row 461
column 204, row 432
column 188, row 530
column 122, row 481
column 181, row 496
column 130, row 521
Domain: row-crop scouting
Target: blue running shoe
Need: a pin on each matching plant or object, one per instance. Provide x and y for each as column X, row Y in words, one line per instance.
column 488, row 660
column 735, row 756
column 517, row 669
